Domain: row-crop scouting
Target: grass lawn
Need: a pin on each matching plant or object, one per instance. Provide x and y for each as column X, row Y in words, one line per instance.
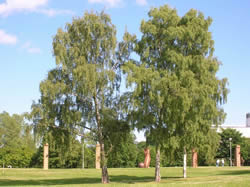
column 202, row 176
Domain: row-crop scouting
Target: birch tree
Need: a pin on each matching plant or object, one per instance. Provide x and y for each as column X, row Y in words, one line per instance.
column 81, row 88
column 176, row 91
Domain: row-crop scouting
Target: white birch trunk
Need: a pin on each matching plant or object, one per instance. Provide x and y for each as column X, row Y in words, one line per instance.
column 185, row 164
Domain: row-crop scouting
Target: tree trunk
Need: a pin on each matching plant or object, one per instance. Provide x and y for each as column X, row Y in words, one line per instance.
column 105, row 175
column 3, row 168
column 82, row 141
column 157, row 165
column 185, row 163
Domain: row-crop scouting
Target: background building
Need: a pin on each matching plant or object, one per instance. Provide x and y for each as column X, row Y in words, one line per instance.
column 243, row 129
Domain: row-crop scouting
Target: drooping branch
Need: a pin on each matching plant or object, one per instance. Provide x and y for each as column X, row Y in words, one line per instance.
column 74, row 129
column 111, row 146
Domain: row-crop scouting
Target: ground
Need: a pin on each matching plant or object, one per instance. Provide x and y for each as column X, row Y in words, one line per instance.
column 202, row 176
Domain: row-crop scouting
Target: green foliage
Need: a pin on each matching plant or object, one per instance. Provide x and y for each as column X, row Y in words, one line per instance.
column 172, row 155
column 17, row 144
column 37, row 158
column 124, row 153
column 140, row 152
column 89, row 157
column 72, row 158
column 207, row 150
column 245, row 151
column 224, row 148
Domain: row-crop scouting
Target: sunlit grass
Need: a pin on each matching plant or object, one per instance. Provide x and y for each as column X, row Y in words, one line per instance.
column 202, row 176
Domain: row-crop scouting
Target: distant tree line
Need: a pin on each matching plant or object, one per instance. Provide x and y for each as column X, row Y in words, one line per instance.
column 16, row 141
column 20, row 151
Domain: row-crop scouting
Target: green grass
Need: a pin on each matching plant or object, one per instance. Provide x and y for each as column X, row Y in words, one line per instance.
column 202, row 176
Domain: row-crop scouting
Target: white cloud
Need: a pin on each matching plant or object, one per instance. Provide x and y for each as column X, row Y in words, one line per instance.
column 110, row 3
column 12, row 6
column 7, row 38
column 30, row 49
column 141, row 2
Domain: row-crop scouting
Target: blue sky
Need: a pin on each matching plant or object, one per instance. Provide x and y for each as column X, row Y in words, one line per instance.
column 28, row 26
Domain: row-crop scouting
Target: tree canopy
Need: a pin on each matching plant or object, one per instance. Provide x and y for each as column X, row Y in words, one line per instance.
column 81, row 91
column 175, row 88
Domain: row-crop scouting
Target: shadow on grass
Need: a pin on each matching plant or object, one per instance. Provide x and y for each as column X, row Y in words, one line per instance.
column 128, row 179
column 235, row 172
column 125, row 179
column 47, row 182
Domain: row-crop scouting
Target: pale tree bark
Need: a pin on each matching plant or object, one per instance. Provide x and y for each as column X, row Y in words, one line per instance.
column 83, row 147
column 185, row 163
column 157, row 165
column 105, row 176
